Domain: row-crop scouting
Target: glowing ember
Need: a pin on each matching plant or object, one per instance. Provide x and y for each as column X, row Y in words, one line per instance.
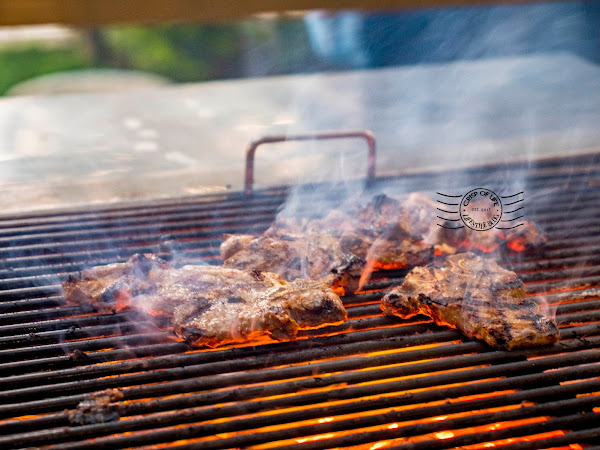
column 325, row 420
column 380, row 444
column 516, row 245
column 444, row 435
column 315, row 438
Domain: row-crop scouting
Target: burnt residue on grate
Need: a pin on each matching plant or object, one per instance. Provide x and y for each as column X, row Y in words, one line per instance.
column 70, row 378
column 97, row 407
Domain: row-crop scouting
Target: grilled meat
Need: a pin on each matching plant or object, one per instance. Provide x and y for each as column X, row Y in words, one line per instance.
column 526, row 236
column 380, row 213
column 109, row 288
column 341, row 260
column 312, row 256
column 346, row 245
column 209, row 305
column 420, row 217
column 253, row 304
column 476, row 296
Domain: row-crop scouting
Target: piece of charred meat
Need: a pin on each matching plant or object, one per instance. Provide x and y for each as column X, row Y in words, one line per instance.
column 340, row 259
column 380, row 213
column 209, row 305
column 311, row 256
column 347, row 245
column 108, row 289
column 250, row 305
column 419, row 216
column 476, row 296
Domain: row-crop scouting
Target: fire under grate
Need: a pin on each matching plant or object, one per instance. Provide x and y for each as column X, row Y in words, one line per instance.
column 373, row 382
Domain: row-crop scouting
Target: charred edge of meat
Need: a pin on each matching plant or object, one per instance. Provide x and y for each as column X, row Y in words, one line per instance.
column 494, row 310
column 74, row 278
column 345, row 277
column 111, row 292
column 349, row 263
column 257, row 274
column 378, row 201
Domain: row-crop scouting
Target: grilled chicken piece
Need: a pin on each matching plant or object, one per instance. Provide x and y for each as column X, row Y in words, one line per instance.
column 108, row 289
column 209, row 305
column 247, row 305
column 476, row 296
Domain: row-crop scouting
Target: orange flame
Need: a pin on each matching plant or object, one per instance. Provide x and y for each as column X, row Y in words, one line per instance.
column 517, row 245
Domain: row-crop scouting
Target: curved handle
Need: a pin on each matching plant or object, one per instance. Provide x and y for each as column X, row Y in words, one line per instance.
column 365, row 134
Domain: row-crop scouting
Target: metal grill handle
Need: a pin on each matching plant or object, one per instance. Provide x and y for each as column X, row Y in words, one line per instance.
column 365, row 134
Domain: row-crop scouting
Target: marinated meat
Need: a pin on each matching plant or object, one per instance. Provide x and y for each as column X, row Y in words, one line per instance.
column 315, row 257
column 209, row 305
column 420, row 217
column 476, row 296
column 349, row 246
column 380, row 213
column 109, row 288
column 339, row 259
column 253, row 304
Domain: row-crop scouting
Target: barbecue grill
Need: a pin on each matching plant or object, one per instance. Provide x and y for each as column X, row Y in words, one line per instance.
column 373, row 382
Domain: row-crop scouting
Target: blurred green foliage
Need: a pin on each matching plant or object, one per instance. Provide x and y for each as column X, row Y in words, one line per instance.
column 182, row 53
column 19, row 64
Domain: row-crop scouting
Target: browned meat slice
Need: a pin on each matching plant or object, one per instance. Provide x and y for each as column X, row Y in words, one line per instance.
column 312, row 256
column 518, row 239
column 210, row 305
column 419, row 217
column 350, row 244
column 476, row 296
column 108, row 289
column 342, row 260
column 379, row 214
column 252, row 304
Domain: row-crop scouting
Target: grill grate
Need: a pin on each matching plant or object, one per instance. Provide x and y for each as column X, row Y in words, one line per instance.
column 373, row 382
